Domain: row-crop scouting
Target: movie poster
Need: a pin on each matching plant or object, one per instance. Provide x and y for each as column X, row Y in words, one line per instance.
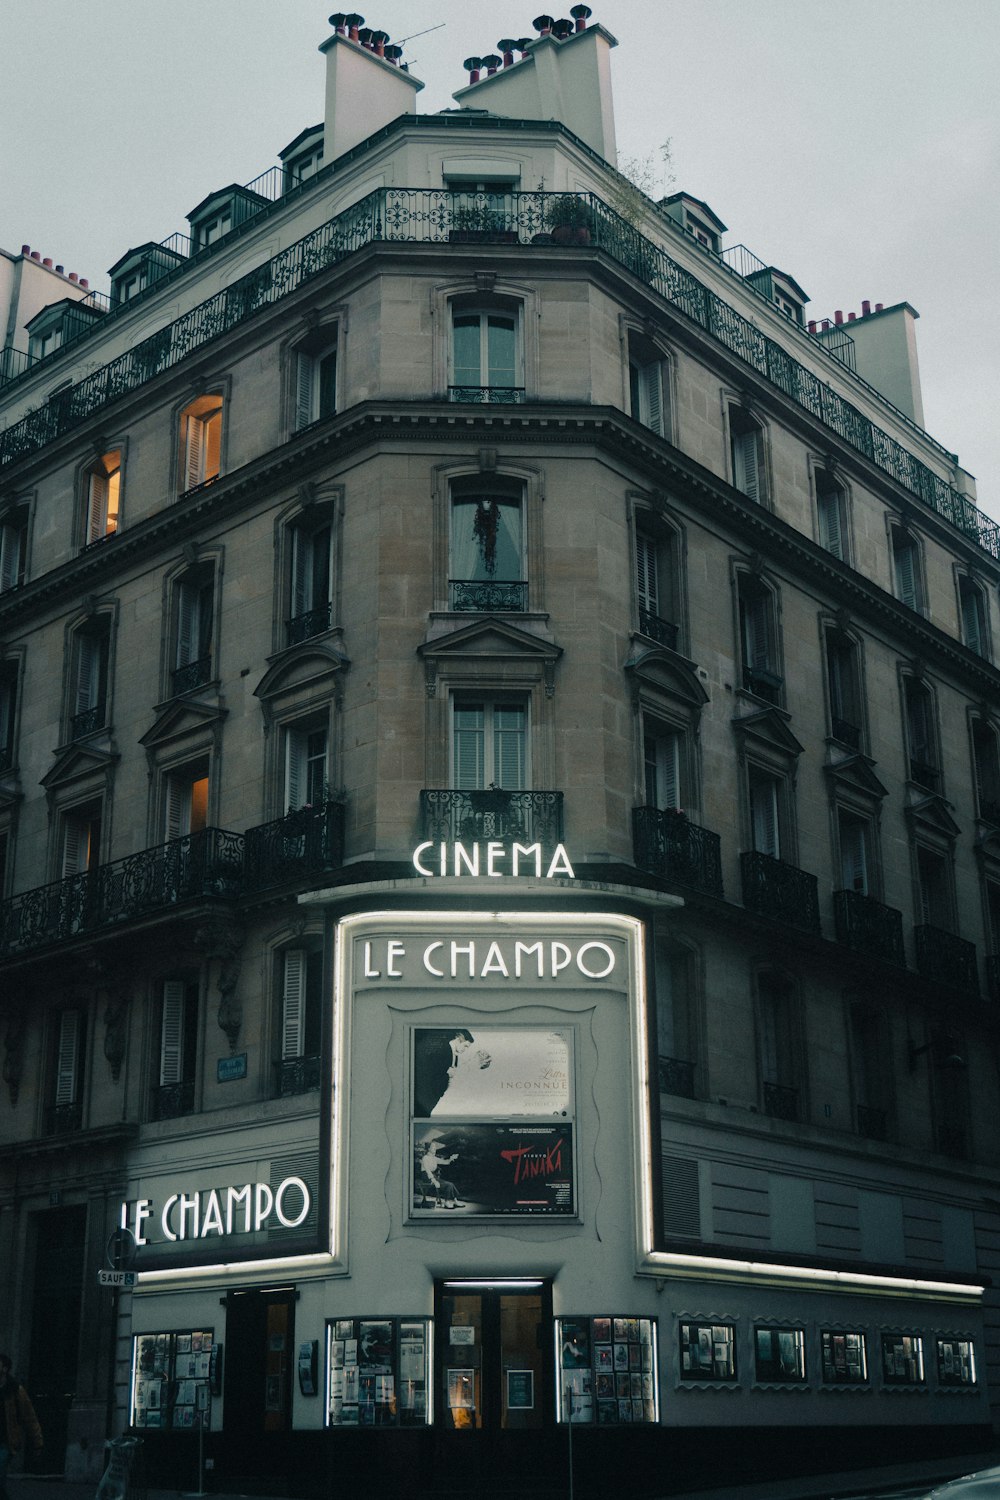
column 472, row 1169
column 493, row 1072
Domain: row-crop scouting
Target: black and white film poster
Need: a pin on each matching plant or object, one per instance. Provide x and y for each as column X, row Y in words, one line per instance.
column 471, row 1169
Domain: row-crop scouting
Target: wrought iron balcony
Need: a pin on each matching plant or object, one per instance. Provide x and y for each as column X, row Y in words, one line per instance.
column 487, row 595
column 193, row 674
column 306, row 843
column 781, row 1102
column 924, row 775
column 869, row 927
column 775, row 889
column 296, row 1075
column 661, row 631
column 763, row 684
column 303, row 627
column 199, row 865
column 171, row 1100
column 872, row 1123
column 494, row 813
column 846, row 732
column 63, row 1119
column 676, row 1077
column 487, row 395
column 87, row 721
column 670, row 845
column 945, row 958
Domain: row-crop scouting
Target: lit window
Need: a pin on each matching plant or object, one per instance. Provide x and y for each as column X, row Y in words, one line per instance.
column 103, row 483
column 902, row 1359
column 185, row 805
column 80, row 850
column 201, row 442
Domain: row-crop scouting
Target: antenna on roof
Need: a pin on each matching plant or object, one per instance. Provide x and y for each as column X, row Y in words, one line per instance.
column 424, row 32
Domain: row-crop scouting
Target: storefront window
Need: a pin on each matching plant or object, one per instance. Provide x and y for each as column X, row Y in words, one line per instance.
column 780, row 1354
column 956, row 1362
column 845, row 1357
column 902, row 1359
column 378, row 1372
column 607, row 1370
column 708, row 1351
column 173, row 1379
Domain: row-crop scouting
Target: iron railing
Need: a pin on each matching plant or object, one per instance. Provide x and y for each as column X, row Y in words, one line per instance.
column 63, row 1119
column 193, row 674
column 87, row 721
column 864, row 924
column 676, row 1077
column 296, row 1075
column 873, row 1123
column 487, row 595
column 670, row 845
column 846, row 732
column 664, row 632
column 763, row 684
column 946, row 958
column 171, row 1100
column 781, row 1102
column 307, row 842
column 487, row 395
column 303, row 627
column 470, row 817
column 427, row 216
column 772, row 888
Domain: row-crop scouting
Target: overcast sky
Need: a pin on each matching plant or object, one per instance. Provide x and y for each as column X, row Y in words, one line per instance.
column 853, row 143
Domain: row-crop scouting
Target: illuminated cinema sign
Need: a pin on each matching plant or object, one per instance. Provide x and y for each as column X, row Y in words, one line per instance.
column 494, row 860
column 220, row 1212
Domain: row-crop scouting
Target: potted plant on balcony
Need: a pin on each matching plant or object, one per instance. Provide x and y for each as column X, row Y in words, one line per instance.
column 476, row 223
column 570, row 219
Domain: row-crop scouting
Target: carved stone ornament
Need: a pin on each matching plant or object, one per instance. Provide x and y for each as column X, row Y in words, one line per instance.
column 223, row 940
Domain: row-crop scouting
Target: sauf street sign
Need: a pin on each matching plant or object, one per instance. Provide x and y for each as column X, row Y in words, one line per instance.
column 116, row 1278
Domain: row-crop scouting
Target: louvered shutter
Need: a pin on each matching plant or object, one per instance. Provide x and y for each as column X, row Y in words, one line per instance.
column 653, row 396
column 508, row 747
column 88, row 654
column 177, row 812
column 764, row 815
column 746, row 464
column 853, row 856
column 829, row 523
column 75, row 846
column 172, row 1031
column 756, row 623
column 971, row 632
column 187, row 623
column 918, row 716
column 469, row 747
column 11, row 545
column 194, row 455
column 67, row 1057
column 904, row 554
column 97, row 507
column 7, row 704
column 668, row 771
column 295, row 769
column 305, row 383
column 647, row 582
column 301, row 571
column 293, row 1002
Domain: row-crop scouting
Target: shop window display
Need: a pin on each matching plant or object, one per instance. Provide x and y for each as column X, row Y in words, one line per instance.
column 377, row 1372
column 173, row 1377
column 607, row 1370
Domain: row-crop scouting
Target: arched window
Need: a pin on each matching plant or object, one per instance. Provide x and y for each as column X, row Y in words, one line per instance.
column 831, row 514
column 973, row 616
column 486, row 354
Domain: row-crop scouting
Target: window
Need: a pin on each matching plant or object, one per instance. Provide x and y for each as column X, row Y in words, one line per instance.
column 662, row 753
column 949, row 1079
column 746, row 438
column 779, row 1046
column 305, row 767
column 648, row 385
column 934, row 888
column 657, row 586
column 486, row 561
column 708, row 1351
column 844, row 1356
column 311, row 576
column 854, row 836
column 902, row 1359
column 185, row 801
column 489, row 744
column 80, row 840
column 921, row 745
column 201, row 442
column 8, row 715
column 676, row 1019
column 68, row 1036
column 315, row 384
column 103, row 494
column 91, row 646
column 766, row 793
column 843, row 680
column 986, row 765
column 871, row 1067
column 972, row 612
column 300, row 980
column 13, row 548
column 906, row 568
column 779, row 1354
column 194, row 607
column 956, row 1361
column 486, row 357
column 174, row 1094
column 831, row 514
column 758, row 639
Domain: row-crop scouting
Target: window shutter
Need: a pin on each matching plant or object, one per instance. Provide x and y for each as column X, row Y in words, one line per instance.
column 508, row 747
column 326, row 384
column 7, row 704
column 10, row 556
column 746, row 463
column 67, row 1055
column 293, row 1002
column 469, row 737
column 829, row 523
column 97, row 507
column 668, row 778
column 172, row 1031
column 301, row 571
column 647, row 581
column 756, row 619
column 653, row 392
column 305, row 379
column 187, row 623
column 764, row 815
column 971, row 632
column 194, row 456
column 75, row 846
column 88, row 650
column 904, row 554
column 295, row 769
column 853, row 856
column 177, row 812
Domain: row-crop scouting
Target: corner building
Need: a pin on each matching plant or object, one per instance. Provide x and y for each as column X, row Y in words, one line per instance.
column 500, row 831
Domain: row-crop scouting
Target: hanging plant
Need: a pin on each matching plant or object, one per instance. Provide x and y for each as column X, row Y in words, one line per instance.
column 484, row 529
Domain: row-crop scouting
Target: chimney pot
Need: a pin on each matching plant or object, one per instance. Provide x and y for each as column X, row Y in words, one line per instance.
column 73, row 276
column 25, row 249
column 353, row 22
column 826, row 324
column 543, row 25
column 379, row 39
column 365, row 35
column 491, row 62
column 522, row 44
column 61, row 270
column 580, row 14
column 84, row 281
column 561, row 29
column 812, row 325
column 472, row 66
column 393, row 53
column 866, row 308
column 878, row 307
column 851, row 317
column 838, row 317
column 47, row 262
column 337, row 22
column 506, row 45
column 36, row 255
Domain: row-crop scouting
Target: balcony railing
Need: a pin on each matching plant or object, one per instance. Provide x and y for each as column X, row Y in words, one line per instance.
column 303, row 627
column 664, row 632
column 763, row 684
column 869, row 927
column 171, row 1100
column 772, row 888
column 87, row 721
column 846, row 732
column 193, row 674
column 419, row 215
column 945, row 958
column 924, row 774
column 781, row 1102
column 470, row 817
column 307, row 842
column 676, row 1077
column 487, row 395
column 670, row 845
column 872, row 1123
column 63, row 1119
column 296, row 1075
column 487, row 595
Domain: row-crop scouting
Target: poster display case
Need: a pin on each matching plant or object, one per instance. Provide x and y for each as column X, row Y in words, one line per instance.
column 377, row 1372
column 172, row 1379
column 607, row 1370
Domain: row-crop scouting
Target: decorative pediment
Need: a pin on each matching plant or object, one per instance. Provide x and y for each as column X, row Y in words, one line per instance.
column 666, row 672
column 303, row 668
column 854, row 773
column 77, row 762
column 484, row 647
column 929, row 811
column 768, row 727
column 182, row 718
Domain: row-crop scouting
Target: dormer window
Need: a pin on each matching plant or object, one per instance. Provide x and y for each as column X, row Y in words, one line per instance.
column 140, row 268
column 696, row 219
column 57, row 324
column 220, row 212
column 303, row 157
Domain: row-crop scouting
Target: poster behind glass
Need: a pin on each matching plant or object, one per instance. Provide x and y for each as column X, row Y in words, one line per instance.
column 607, row 1374
column 172, row 1380
column 377, row 1372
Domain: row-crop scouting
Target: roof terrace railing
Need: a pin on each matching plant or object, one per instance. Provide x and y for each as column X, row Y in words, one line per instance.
column 415, row 215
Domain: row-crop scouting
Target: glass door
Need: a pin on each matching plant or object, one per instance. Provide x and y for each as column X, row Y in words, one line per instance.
column 494, row 1356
